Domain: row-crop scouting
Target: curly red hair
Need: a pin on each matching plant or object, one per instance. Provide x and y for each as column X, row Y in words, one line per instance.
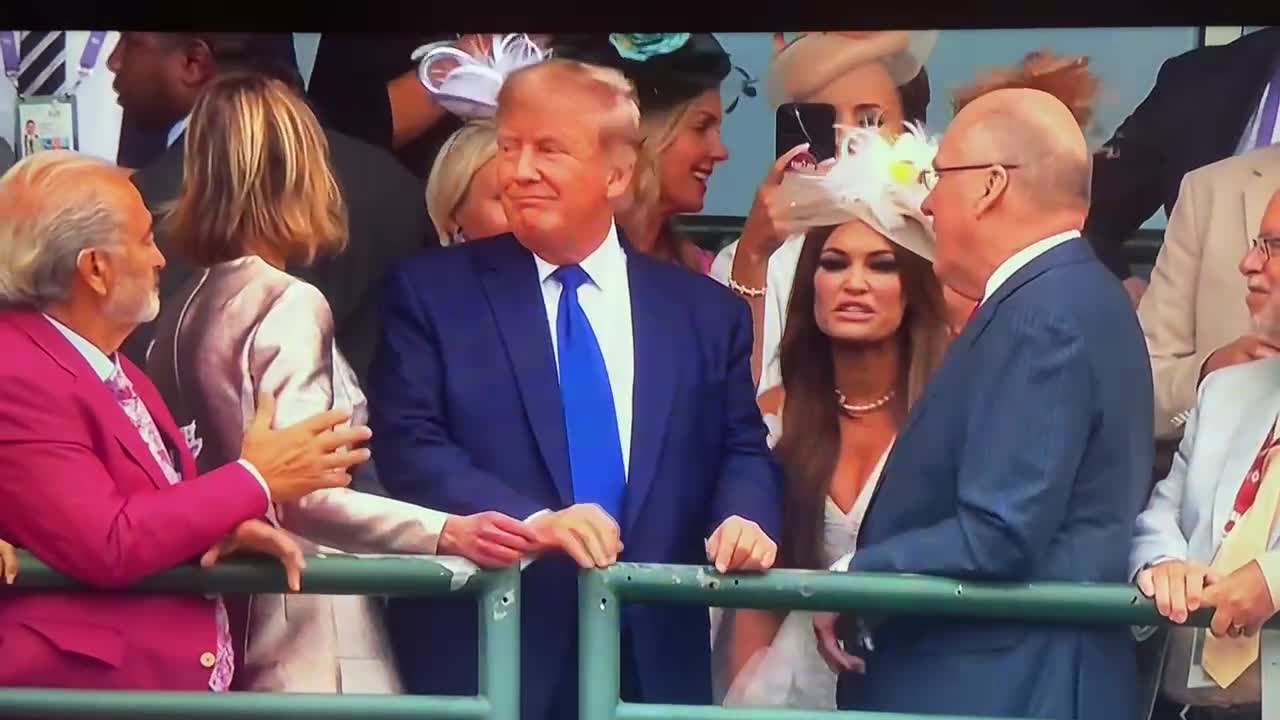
column 1067, row 78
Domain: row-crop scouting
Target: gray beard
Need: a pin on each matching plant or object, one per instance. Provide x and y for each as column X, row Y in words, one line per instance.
column 1266, row 324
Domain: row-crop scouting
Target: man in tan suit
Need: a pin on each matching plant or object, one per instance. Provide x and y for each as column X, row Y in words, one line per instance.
column 1193, row 314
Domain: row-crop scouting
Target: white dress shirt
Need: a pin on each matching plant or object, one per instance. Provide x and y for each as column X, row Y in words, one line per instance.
column 105, row 367
column 1249, row 140
column 1022, row 258
column 606, row 301
column 176, row 131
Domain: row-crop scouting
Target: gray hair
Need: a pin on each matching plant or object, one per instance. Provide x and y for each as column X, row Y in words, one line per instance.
column 53, row 206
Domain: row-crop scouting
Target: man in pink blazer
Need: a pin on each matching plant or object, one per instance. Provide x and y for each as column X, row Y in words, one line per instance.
column 96, row 479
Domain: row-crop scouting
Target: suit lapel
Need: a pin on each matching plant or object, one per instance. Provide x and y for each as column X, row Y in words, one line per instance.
column 104, row 403
column 510, row 280
column 653, row 319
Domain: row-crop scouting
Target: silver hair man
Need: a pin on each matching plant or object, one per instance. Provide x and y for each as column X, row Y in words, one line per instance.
column 76, row 243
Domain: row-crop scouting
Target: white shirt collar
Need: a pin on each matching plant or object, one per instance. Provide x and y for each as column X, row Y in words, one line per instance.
column 104, row 366
column 1022, row 258
column 176, row 131
column 604, row 265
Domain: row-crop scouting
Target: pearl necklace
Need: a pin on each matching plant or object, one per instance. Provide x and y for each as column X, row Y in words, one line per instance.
column 853, row 410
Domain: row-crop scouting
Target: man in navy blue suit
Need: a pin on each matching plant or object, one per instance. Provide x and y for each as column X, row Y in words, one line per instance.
column 558, row 375
column 1029, row 455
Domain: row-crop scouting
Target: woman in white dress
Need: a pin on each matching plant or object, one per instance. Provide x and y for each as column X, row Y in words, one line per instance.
column 866, row 328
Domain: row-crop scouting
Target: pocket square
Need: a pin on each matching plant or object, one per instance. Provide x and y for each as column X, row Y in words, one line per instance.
column 194, row 443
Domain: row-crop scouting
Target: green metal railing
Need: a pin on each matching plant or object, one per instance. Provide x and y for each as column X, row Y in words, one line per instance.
column 498, row 595
column 602, row 593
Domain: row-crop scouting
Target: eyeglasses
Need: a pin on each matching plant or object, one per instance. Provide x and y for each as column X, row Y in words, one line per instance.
column 929, row 177
column 1270, row 246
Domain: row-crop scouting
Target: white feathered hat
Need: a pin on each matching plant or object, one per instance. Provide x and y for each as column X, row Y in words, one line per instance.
column 874, row 179
column 467, row 85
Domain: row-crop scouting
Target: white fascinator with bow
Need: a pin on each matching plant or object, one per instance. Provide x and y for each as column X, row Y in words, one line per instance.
column 875, row 179
column 467, row 84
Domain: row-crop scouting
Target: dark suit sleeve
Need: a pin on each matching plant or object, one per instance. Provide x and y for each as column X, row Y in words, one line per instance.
column 417, row 459
column 1026, row 435
column 750, row 483
column 1128, row 176
column 348, row 86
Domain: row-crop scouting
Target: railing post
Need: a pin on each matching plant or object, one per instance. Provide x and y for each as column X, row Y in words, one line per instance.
column 599, row 613
column 499, row 608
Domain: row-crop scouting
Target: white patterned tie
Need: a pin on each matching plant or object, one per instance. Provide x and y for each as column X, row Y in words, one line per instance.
column 224, row 663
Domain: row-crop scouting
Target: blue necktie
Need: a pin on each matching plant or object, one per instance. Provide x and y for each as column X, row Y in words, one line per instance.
column 590, row 422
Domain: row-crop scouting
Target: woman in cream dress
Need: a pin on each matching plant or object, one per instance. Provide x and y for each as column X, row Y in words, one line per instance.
column 866, row 328
column 258, row 194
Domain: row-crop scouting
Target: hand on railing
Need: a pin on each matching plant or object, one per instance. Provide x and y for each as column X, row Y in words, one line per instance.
column 1177, row 587
column 261, row 537
column 586, row 532
column 1243, row 602
column 8, row 562
column 740, row 545
column 488, row 539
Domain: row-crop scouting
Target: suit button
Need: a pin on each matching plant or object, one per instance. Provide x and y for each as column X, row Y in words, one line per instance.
column 208, row 660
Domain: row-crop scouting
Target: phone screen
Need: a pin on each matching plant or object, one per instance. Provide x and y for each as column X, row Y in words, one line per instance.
column 813, row 123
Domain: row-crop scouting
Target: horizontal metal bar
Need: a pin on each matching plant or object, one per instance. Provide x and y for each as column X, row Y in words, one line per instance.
column 882, row 594
column 235, row 706
column 327, row 575
column 631, row 711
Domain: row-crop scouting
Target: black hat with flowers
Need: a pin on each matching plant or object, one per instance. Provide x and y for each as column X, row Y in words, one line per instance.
column 668, row 69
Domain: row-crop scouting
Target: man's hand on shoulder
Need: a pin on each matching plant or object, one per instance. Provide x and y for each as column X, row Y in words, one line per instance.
column 488, row 539
column 740, row 545
column 1243, row 349
column 585, row 532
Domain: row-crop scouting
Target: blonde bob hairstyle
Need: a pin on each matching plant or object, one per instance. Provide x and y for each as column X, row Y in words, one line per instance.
column 466, row 151
column 256, row 174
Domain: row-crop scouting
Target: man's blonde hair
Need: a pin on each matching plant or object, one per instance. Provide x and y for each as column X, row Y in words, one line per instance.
column 256, row 170
column 466, row 151
column 614, row 94
column 53, row 205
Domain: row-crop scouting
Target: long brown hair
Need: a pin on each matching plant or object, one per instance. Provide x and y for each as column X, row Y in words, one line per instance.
column 810, row 442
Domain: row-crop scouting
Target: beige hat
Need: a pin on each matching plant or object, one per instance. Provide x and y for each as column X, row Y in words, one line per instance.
column 811, row 61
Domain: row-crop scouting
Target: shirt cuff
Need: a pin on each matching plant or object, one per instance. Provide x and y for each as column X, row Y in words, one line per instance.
column 257, row 476
column 1270, row 564
column 527, row 559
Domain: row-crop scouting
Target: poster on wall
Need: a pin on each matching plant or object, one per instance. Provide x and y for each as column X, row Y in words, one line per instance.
column 45, row 123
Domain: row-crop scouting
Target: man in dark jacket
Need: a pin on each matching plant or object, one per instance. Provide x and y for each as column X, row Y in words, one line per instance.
column 1207, row 104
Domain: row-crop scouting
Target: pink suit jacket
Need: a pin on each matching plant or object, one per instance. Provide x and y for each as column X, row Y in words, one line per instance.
column 80, row 489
